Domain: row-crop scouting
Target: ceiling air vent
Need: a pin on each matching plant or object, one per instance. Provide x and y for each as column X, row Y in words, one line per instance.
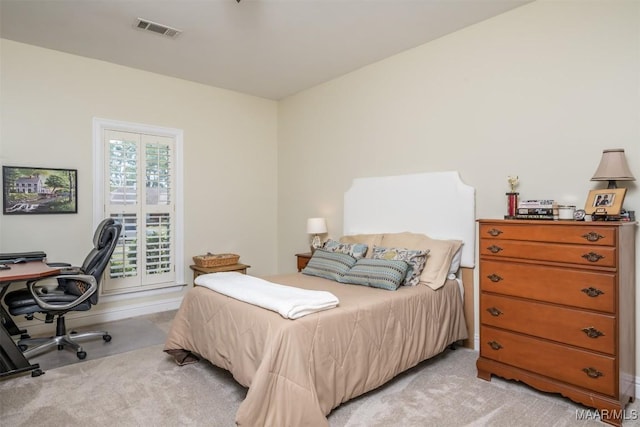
column 145, row 24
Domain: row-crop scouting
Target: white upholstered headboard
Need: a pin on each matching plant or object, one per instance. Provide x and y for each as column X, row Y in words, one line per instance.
column 437, row 204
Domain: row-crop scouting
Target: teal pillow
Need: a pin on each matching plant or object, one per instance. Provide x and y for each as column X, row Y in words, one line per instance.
column 377, row 273
column 330, row 265
column 356, row 250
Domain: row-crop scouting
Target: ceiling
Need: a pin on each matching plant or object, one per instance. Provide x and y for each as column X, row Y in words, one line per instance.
column 266, row 48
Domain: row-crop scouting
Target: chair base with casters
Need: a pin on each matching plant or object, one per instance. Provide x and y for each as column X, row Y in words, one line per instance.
column 63, row 340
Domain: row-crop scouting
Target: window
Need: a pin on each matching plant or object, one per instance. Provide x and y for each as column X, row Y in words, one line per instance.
column 138, row 183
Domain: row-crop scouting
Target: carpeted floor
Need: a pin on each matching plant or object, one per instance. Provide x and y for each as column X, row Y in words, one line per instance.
column 145, row 387
column 128, row 334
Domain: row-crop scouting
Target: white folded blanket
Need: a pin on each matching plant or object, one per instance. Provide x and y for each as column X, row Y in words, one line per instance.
column 290, row 302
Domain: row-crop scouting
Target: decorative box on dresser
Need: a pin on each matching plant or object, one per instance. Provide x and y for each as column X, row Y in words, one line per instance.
column 557, row 309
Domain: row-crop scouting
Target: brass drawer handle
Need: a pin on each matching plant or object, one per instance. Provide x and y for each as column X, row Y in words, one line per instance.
column 495, row 345
column 494, row 232
column 592, row 257
column 494, row 311
column 592, row 292
column 592, row 236
column 592, row 332
column 494, row 249
column 494, row 278
column 592, row 372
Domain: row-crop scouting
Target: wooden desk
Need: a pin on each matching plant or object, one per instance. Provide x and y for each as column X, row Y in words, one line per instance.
column 27, row 271
column 12, row 361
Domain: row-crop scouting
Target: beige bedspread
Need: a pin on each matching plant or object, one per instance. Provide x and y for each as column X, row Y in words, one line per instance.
column 297, row 371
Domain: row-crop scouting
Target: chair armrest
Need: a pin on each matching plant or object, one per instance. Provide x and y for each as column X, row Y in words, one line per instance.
column 86, row 278
column 58, row 264
column 65, row 268
column 64, row 271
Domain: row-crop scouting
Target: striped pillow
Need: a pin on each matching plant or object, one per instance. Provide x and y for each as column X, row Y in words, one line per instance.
column 330, row 265
column 377, row 273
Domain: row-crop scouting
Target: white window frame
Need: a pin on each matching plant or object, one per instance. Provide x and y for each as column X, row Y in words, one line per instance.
column 99, row 176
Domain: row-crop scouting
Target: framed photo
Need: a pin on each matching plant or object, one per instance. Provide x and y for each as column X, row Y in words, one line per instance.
column 30, row 191
column 605, row 202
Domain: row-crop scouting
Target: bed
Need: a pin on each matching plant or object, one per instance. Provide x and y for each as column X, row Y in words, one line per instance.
column 297, row 371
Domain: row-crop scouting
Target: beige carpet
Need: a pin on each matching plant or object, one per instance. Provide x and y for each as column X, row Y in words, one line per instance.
column 145, row 387
column 128, row 334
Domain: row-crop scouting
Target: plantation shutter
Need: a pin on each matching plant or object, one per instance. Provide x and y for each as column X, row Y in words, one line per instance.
column 139, row 195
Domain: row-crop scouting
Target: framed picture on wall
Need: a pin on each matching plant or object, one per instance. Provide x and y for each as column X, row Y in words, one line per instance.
column 31, row 191
column 605, row 202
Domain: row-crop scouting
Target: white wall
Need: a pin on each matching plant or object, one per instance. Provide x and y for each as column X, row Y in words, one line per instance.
column 537, row 92
column 48, row 101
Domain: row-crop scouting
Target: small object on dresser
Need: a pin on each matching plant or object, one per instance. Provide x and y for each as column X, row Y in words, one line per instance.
column 565, row 212
column 512, row 197
column 579, row 215
column 536, row 217
column 627, row 215
column 512, row 204
column 606, row 202
column 215, row 260
column 544, row 209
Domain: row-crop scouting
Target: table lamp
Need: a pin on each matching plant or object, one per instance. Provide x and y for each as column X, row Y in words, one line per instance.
column 316, row 226
column 613, row 167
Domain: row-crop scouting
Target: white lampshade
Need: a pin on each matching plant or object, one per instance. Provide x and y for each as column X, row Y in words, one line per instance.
column 316, row 226
column 613, row 167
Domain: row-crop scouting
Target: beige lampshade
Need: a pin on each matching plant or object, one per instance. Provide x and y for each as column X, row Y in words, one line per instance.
column 613, row 167
column 316, row 226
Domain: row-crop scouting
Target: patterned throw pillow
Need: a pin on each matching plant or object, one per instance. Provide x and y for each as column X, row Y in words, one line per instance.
column 377, row 273
column 356, row 250
column 441, row 252
column 330, row 265
column 370, row 240
column 415, row 258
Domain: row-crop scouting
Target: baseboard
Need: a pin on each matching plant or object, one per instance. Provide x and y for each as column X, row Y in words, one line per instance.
column 101, row 313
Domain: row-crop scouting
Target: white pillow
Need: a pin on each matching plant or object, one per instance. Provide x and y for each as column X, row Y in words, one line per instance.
column 455, row 262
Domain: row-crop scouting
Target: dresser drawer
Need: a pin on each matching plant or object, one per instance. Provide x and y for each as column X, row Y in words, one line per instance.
column 579, row 288
column 600, row 256
column 574, row 366
column 578, row 234
column 586, row 329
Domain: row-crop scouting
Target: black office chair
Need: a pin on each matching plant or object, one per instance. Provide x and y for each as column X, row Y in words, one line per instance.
column 77, row 290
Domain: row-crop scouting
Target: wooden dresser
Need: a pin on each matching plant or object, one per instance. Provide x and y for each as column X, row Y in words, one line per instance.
column 557, row 309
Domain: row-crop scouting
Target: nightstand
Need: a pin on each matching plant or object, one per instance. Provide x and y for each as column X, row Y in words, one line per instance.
column 240, row 268
column 303, row 260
